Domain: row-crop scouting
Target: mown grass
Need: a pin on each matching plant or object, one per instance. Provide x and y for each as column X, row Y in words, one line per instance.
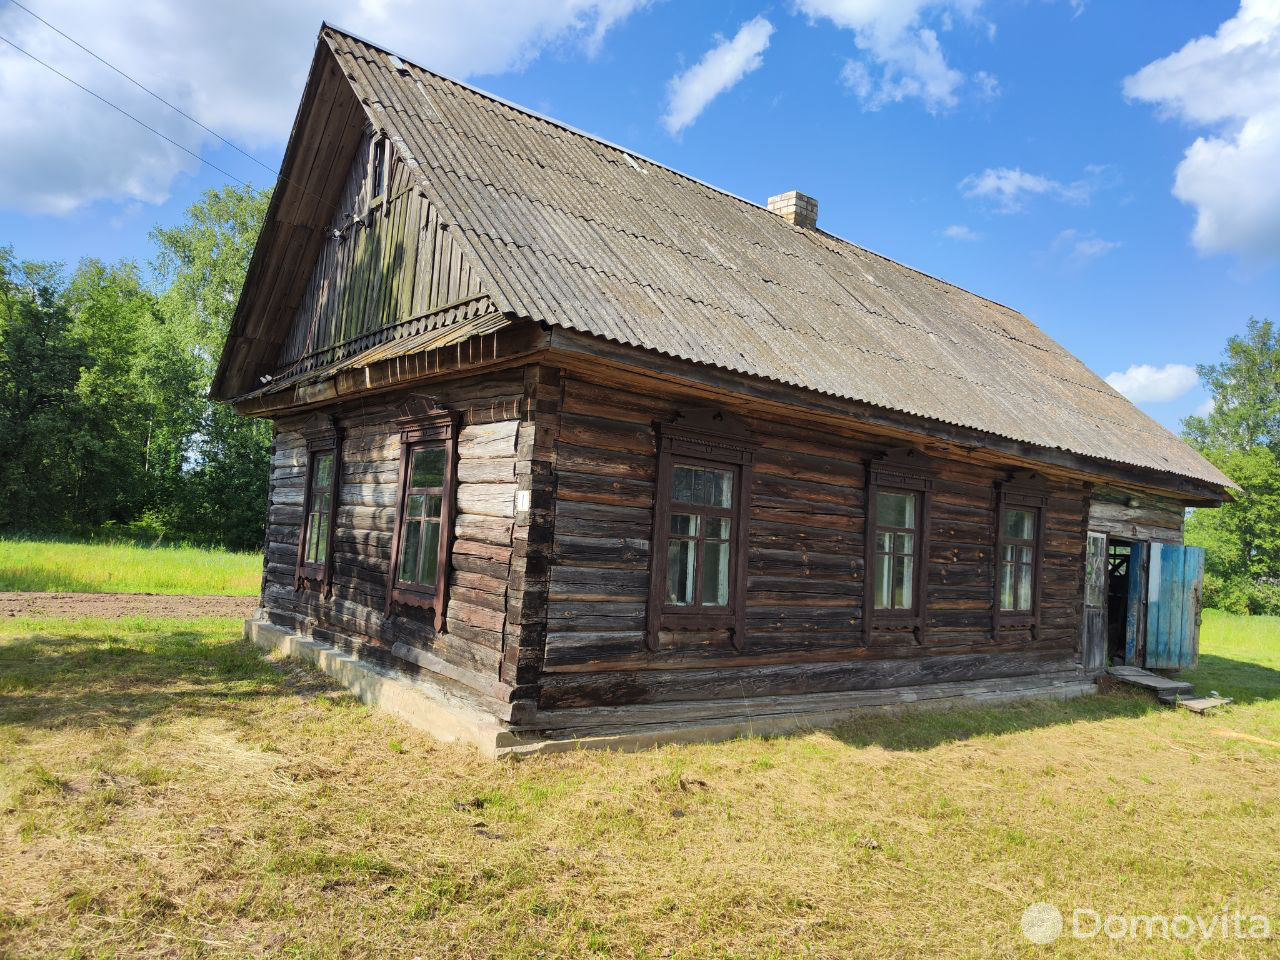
column 165, row 792
column 50, row 565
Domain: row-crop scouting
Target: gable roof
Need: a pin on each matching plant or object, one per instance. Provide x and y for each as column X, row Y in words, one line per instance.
column 573, row 232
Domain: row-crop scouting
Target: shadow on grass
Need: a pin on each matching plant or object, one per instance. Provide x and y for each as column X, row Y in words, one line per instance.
column 1242, row 680
column 96, row 679
column 923, row 729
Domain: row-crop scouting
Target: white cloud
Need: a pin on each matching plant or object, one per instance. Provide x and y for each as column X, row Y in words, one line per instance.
column 958, row 231
column 719, row 69
column 1008, row 188
column 238, row 66
column 1079, row 247
column 1230, row 83
column 1143, row 383
column 1205, row 407
column 901, row 56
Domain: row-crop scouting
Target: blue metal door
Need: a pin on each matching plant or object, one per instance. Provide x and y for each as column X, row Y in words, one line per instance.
column 1174, row 580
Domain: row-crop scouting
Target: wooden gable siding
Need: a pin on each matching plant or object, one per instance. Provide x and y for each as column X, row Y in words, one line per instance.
column 472, row 648
column 1130, row 516
column 805, row 570
column 391, row 264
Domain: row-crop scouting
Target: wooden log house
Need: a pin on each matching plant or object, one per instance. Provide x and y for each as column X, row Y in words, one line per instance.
column 572, row 448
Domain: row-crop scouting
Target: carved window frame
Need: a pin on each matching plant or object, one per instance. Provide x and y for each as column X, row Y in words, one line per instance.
column 904, row 470
column 1023, row 490
column 708, row 439
column 322, row 436
column 423, row 424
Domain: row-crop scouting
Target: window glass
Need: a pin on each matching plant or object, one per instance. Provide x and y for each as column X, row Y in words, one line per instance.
column 428, row 468
column 1017, row 561
column 316, row 534
column 379, row 165
column 894, row 567
column 680, row 572
column 896, row 510
column 420, row 525
column 702, row 486
column 1019, row 524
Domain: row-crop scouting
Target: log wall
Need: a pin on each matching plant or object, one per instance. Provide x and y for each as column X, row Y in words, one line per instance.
column 1131, row 516
column 804, row 597
column 470, row 652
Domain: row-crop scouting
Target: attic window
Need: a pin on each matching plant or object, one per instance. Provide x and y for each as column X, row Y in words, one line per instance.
column 378, row 175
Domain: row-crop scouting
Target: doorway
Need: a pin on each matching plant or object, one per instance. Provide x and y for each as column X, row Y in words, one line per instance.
column 1120, row 568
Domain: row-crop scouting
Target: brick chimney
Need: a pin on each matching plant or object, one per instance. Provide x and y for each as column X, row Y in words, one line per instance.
column 795, row 207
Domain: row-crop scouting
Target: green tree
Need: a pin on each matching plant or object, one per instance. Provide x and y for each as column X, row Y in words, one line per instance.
column 1246, row 394
column 217, row 461
column 1241, row 436
column 40, row 363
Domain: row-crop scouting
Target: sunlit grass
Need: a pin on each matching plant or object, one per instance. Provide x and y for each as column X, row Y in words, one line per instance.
column 45, row 566
column 164, row 791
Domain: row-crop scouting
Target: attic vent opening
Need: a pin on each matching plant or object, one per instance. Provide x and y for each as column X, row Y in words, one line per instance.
column 796, row 208
column 378, row 168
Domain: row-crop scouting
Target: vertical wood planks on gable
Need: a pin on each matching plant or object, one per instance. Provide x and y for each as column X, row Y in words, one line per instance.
column 381, row 265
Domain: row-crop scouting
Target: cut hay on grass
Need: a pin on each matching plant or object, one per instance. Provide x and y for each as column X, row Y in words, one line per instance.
column 62, row 566
column 167, row 793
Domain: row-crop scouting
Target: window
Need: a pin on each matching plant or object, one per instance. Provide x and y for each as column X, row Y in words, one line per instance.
column 419, row 572
column 698, row 570
column 698, row 544
column 1020, row 506
column 378, row 168
column 895, row 550
column 899, row 485
column 320, row 501
column 1017, row 558
column 420, row 528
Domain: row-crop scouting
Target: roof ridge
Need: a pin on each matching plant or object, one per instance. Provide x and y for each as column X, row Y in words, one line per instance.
column 529, row 111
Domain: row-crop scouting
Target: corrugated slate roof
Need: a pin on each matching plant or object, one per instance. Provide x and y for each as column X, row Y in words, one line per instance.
column 577, row 233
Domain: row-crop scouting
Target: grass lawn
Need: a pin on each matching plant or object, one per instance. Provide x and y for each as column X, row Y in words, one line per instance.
column 49, row 565
column 166, row 792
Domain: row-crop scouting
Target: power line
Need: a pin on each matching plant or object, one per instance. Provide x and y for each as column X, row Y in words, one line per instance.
column 144, row 125
column 143, row 88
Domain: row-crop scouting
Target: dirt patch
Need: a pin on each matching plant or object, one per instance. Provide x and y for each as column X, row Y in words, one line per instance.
column 122, row 605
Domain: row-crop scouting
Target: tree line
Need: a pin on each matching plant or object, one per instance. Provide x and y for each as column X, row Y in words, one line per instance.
column 105, row 423
column 106, row 427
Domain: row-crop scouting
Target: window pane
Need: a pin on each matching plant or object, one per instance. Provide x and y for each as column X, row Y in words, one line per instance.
column 414, row 506
column 902, row 589
column 680, row 570
column 904, row 543
column 410, row 550
column 309, row 554
column 1024, row 586
column 322, row 472
column 717, row 528
column 430, row 552
column 1006, row 586
column 433, row 506
column 884, row 542
column 884, row 581
column 684, row 524
column 322, row 537
column 702, row 486
column 715, row 573
column 1019, row 524
column 428, row 468
column 896, row 510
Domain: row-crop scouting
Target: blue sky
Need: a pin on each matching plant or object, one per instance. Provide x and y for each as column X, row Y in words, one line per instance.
column 1029, row 151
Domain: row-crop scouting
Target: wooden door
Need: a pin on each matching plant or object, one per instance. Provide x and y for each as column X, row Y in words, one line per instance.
column 1175, row 578
column 1135, row 609
column 1094, row 639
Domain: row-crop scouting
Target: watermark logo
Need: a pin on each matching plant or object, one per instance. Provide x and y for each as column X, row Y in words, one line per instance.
column 1043, row 923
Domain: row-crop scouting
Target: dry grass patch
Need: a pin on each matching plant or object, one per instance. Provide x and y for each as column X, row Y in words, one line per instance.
column 165, row 792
